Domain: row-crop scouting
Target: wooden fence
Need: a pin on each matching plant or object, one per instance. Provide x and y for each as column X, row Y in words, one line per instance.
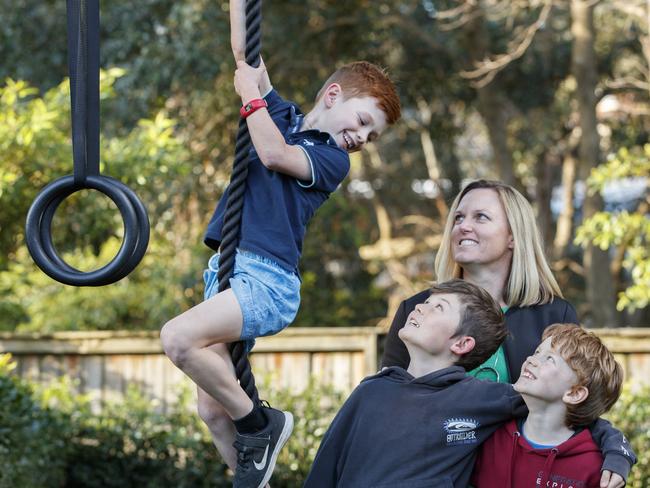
column 105, row 363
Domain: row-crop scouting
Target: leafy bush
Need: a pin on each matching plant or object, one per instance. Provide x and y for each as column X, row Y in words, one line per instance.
column 631, row 414
column 31, row 446
column 313, row 411
column 50, row 437
column 129, row 446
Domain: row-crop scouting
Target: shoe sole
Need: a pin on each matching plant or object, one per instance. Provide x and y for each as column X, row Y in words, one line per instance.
column 284, row 437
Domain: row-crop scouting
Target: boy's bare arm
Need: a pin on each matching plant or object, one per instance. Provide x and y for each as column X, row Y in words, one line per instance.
column 238, row 39
column 269, row 143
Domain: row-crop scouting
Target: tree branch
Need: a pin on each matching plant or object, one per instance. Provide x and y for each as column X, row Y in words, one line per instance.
column 488, row 68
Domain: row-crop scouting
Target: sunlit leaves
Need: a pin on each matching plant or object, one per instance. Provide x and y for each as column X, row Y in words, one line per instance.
column 625, row 163
column 629, row 230
column 150, row 158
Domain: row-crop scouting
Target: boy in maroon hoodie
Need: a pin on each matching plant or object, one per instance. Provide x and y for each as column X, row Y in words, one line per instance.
column 567, row 384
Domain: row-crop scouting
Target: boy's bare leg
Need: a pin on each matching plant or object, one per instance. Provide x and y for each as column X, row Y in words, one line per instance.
column 195, row 342
column 186, row 338
column 219, row 424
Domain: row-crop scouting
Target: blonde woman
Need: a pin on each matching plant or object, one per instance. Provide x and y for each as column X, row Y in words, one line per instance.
column 491, row 240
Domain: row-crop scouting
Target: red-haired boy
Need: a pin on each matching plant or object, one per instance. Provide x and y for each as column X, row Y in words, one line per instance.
column 567, row 384
column 297, row 161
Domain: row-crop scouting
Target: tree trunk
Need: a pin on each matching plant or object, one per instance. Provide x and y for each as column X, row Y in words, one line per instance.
column 600, row 291
column 543, row 190
column 492, row 103
column 491, row 106
column 564, row 228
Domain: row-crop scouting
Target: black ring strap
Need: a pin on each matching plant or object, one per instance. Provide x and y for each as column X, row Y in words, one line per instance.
column 83, row 66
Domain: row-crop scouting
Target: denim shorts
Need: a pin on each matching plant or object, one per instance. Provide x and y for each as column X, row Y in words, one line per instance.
column 268, row 295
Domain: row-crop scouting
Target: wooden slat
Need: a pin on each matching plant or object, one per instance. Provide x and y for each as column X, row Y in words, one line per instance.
column 638, row 370
column 92, row 378
column 29, row 367
column 51, row 367
column 341, row 365
column 358, row 369
column 125, row 342
column 625, row 340
column 113, row 385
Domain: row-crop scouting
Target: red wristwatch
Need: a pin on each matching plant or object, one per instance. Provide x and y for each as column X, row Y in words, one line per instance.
column 252, row 106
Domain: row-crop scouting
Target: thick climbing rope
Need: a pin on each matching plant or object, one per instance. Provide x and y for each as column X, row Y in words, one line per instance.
column 83, row 66
column 232, row 218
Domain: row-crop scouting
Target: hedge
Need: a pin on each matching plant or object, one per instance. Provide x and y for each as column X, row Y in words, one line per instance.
column 50, row 437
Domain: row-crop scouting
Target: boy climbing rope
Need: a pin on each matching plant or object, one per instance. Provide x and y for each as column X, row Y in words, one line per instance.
column 295, row 163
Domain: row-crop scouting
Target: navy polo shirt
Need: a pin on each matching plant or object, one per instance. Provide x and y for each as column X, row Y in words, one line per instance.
column 277, row 207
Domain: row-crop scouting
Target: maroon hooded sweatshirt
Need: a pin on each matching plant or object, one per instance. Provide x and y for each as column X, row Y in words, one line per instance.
column 507, row 460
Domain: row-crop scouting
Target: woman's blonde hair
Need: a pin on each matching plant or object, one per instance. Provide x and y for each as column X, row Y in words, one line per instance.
column 530, row 281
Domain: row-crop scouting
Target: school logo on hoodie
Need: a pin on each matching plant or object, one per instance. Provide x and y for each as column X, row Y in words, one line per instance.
column 461, row 431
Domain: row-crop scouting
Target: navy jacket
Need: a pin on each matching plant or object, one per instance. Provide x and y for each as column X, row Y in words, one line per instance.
column 399, row 431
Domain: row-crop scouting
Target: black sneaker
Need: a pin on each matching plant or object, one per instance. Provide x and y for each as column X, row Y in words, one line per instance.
column 257, row 453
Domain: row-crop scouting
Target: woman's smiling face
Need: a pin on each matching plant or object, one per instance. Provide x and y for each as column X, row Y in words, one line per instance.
column 481, row 234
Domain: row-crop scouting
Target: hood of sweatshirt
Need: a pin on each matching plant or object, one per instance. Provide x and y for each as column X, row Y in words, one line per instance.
column 436, row 379
column 576, row 445
column 580, row 443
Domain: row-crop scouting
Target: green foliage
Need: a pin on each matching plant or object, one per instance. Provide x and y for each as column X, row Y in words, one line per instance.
column 129, row 445
column 629, row 230
column 313, row 410
column 336, row 289
column 625, row 163
column 631, row 415
column 31, row 444
column 153, row 160
column 87, row 228
column 50, row 436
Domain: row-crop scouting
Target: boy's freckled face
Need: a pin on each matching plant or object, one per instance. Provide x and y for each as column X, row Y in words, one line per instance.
column 432, row 324
column 353, row 122
column 546, row 375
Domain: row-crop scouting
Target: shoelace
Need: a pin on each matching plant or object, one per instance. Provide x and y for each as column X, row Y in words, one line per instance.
column 264, row 403
column 244, row 453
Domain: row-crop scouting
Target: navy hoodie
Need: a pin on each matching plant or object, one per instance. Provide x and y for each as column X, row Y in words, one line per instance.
column 399, row 431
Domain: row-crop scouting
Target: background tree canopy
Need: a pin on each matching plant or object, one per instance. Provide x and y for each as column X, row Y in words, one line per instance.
column 493, row 89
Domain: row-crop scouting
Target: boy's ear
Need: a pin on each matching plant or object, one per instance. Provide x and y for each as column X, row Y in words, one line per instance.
column 462, row 345
column 576, row 395
column 332, row 93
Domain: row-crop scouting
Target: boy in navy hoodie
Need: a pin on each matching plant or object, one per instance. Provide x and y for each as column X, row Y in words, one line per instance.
column 570, row 380
column 422, row 427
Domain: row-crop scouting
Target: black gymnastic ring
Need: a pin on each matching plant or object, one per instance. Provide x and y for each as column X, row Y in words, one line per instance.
column 38, row 228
